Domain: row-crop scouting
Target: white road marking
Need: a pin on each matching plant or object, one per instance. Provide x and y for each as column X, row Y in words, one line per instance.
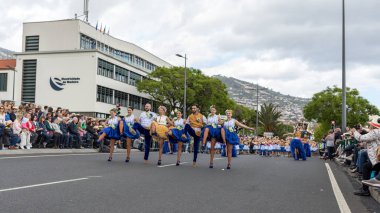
column 343, row 206
column 163, row 166
column 46, row 184
column 41, row 156
column 171, row 165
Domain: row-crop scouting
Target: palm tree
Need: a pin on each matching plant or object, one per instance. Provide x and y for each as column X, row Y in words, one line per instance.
column 268, row 117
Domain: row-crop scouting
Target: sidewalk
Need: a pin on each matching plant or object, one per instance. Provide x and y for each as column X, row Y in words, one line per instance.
column 375, row 192
column 53, row 151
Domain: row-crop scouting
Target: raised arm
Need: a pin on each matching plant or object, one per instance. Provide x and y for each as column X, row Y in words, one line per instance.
column 237, row 123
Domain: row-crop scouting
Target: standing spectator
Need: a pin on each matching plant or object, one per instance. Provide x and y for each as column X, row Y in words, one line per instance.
column 330, row 138
column 73, row 129
column 25, row 133
column 33, row 133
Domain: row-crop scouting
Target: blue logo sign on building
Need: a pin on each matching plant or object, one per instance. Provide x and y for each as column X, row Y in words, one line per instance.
column 59, row 84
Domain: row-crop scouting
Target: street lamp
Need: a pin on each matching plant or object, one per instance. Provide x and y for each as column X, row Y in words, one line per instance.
column 257, row 109
column 344, row 112
column 185, row 85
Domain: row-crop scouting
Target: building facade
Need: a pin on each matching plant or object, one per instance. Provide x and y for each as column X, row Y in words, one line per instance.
column 70, row 64
column 7, row 74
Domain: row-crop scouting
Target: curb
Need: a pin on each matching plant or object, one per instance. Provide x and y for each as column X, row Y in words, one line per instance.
column 54, row 151
column 375, row 192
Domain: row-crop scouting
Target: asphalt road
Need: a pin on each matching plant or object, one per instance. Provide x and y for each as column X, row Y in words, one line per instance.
column 91, row 184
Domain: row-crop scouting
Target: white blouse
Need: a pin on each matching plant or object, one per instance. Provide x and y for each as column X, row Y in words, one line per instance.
column 213, row 120
column 179, row 122
column 113, row 121
column 162, row 120
column 130, row 119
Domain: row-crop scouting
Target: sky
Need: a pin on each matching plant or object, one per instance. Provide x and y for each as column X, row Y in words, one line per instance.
column 291, row 46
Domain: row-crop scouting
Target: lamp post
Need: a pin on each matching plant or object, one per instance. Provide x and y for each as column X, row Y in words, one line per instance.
column 257, row 109
column 185, row 85
column 344, row 106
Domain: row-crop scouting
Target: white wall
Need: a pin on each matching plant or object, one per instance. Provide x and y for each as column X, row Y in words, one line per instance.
column 79, row 97
column 8, row 95
column 54, row 35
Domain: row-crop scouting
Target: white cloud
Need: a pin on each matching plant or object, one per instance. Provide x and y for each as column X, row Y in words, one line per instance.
column 291, row 46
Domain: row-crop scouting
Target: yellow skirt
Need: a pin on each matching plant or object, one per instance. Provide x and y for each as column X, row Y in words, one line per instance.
column 161, row 131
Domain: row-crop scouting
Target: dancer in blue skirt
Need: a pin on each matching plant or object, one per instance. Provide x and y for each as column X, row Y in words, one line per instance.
column 111, row 132
column 212, row 132
column 229, row 134
column 178, row 135
column 126, row 125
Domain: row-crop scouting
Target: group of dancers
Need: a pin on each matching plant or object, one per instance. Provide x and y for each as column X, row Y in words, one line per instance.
column 178, row 130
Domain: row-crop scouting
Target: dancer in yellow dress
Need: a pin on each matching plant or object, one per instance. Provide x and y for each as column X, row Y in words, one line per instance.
column 159, row 130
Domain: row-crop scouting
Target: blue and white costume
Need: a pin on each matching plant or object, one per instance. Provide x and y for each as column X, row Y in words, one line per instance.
column 178, row 131
column 112, row 131
column 214, row 127
column 231, row 134
column 128, row 122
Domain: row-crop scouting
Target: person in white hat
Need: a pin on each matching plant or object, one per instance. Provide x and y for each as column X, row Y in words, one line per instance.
column 372, row 141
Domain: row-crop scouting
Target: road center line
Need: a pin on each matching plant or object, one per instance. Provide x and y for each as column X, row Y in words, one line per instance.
column 343, row 206
column 41, row 156
column 167, row 165
column 46, row 184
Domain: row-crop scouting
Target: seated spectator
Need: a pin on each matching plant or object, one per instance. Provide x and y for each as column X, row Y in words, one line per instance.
column 65, row 133
column 43, row 135
column 73, row 130
column 57, row 135
column 92, row 135
column 372, row 141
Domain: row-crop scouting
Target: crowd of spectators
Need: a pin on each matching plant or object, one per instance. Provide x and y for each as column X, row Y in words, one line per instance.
column 358, row 149
column 31, row 126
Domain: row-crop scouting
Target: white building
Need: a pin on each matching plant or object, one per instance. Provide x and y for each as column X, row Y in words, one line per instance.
column 69, row 63
column 7, row 72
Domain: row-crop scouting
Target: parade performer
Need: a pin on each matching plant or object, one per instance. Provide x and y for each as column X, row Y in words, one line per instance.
column 212, row 132
column 126, row 125
column 111, row 132
column 143, row 126
column 177, row 135
column 297, row 149
column 159, row 130
column 230, row 136
column 193, row 127
column 306, row 147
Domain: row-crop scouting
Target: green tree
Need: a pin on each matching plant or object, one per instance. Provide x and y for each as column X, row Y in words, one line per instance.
column 282, row 129
column 326, row 106
column 268, row 117
column 321, row 130
column 165, row 85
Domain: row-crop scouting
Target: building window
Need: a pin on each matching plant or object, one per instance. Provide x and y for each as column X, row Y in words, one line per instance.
column 32, row 43
column 105, row 68
column 121, row 98
column 135, row 102
column 104, row 95
column 3, row 82
column 134, row 78
column 28, row 92
column 121, row 74
column 87, row 42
